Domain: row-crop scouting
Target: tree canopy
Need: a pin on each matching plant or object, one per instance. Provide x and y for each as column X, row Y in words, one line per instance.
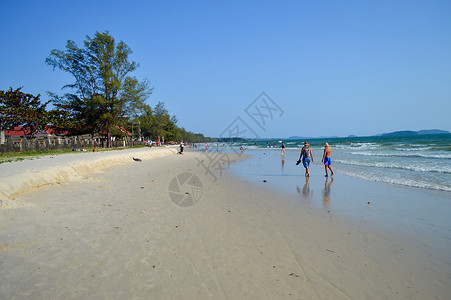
column 21, row 109
column 103, row 93
column 157, row 122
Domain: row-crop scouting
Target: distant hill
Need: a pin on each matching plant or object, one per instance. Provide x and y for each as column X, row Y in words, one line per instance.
column 399, row 133
column 396, row 133
column 432, row 131
column 409, row 132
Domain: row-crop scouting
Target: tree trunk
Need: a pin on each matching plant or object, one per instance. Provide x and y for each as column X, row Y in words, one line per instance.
column 108, row 141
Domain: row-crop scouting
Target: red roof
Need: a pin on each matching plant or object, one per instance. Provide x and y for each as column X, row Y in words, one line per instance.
column 123, row 130
column 20, row 131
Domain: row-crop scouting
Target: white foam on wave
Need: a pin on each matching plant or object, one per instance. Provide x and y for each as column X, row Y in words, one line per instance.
column 392, row 165
column 413, row 149
column 16, row 181
column 434, row 156
column 359, row 146
column 398, row 181
column 248, row 147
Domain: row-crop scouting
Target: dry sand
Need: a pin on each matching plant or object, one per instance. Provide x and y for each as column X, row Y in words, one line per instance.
column 21, row 177
column 116, row 234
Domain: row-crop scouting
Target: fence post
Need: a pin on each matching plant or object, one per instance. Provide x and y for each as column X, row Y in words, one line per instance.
column 25, row 145
column 47, row 143
column 10, row 143
column 37, row 145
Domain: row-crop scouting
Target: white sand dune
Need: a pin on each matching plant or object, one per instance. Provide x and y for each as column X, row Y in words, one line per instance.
column 24, row 176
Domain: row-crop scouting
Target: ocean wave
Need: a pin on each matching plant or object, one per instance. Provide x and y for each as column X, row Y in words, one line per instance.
column 247, row 147
column 434, row 169
column 433, row 156
column 413, row 149
column 399, row 181
column 358, row 146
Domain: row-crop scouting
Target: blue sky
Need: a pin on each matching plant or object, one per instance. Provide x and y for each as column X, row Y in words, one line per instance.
column 333, row 67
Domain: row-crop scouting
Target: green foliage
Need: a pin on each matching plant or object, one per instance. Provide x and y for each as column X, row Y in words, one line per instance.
column 66, row 121
column 21, row 109
column 157, row 122
column 103, row 94
column 191, row 137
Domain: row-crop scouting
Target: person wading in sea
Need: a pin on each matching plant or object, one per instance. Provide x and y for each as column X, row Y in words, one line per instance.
column 326, row 159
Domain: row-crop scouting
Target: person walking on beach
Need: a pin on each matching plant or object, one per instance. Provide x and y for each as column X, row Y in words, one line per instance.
column 283, row 149
column 326, row 160
column 306, row 157
column 181, row 147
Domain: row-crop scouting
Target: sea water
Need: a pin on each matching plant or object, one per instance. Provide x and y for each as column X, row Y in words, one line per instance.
column 422, row 161
column 400, row 183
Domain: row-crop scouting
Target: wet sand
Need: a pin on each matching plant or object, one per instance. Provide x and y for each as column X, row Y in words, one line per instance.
column 420, row 216
column 153, row 230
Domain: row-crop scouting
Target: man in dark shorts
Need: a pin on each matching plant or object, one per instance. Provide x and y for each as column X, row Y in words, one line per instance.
column 181, row 147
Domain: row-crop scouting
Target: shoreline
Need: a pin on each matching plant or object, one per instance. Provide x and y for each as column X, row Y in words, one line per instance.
column 419, row 214
column 120, row 235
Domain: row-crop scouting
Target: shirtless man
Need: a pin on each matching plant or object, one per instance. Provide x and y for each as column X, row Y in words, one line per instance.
column 326, row 159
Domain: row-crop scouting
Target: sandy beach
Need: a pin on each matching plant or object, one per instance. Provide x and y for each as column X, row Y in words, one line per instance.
column 103, row 226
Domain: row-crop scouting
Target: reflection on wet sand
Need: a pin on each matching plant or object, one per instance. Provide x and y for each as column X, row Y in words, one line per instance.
column 283, row 162
column 305, row 193
column 326, row 192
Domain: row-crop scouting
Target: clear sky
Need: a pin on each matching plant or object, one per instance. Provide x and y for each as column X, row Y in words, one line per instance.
column 333, row 67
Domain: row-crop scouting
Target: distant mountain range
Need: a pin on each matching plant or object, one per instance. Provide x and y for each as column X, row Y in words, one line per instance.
column 409, row 132
column 396, row 133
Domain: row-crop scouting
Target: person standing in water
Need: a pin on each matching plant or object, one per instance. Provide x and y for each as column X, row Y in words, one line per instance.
column 283, row 149
column 326, row 160
column 306, row 157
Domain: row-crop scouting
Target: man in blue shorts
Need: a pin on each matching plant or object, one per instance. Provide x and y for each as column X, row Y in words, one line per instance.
column 306, row 156
column 326, row 159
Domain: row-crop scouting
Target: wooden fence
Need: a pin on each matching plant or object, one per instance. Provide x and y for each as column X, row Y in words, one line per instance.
column 13, row 145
